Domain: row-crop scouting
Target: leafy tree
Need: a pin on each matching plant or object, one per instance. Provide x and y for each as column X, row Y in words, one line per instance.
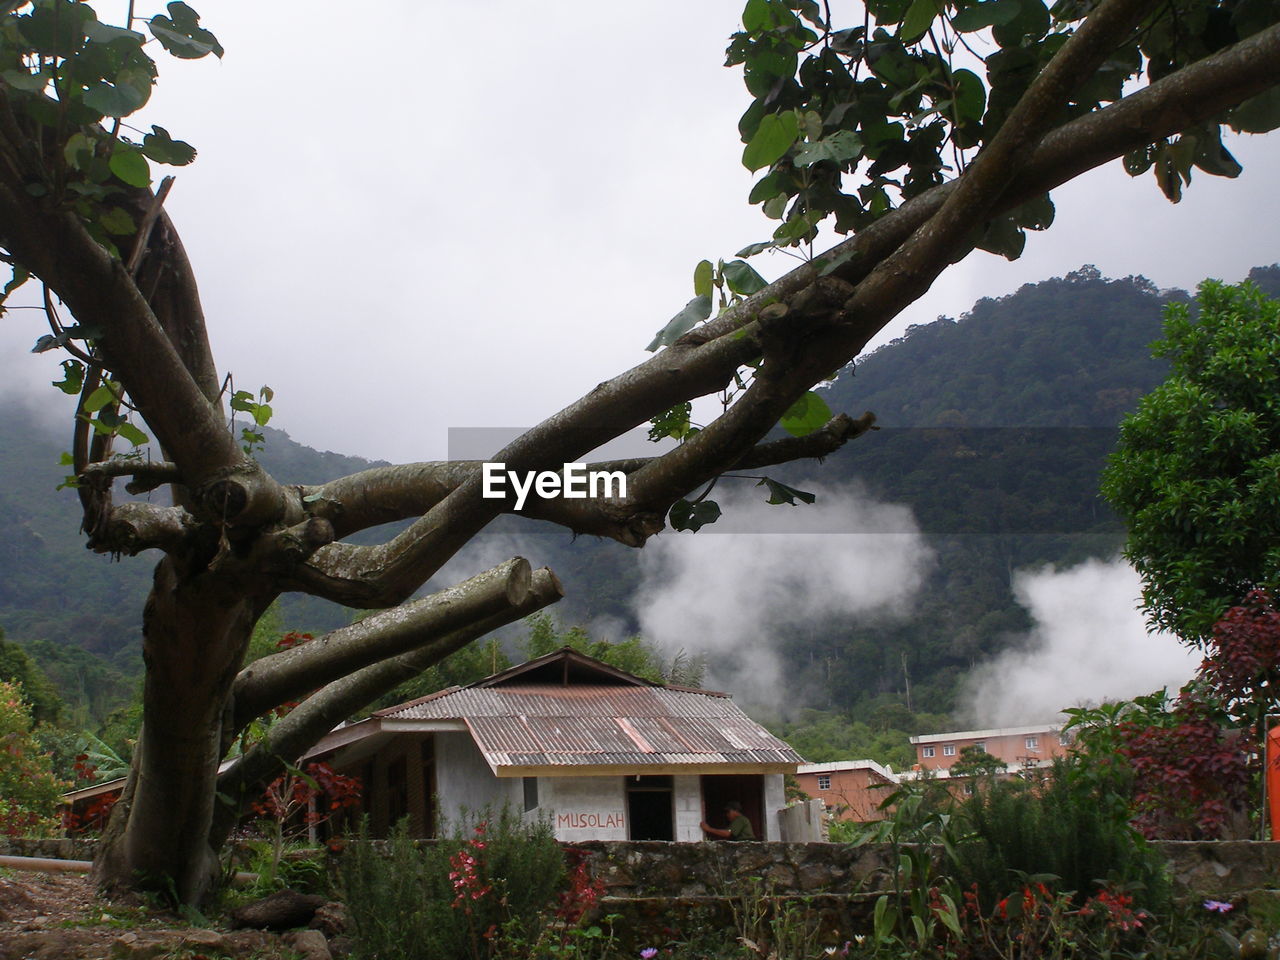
column 29, row 791
column 635, row 655
column 1185, row 767
column 976, row 762
column 871, row 125
column 17, row 667
column 1196, row 474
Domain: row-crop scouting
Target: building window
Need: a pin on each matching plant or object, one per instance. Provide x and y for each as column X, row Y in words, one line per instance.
column 948, row 749
column 981, row 745
column 926, row 751
column 530, row 793
column 968, row 788
column 824, row 781
column 1033, row 743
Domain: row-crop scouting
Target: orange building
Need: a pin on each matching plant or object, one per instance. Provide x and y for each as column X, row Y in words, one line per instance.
column 1019, row 748
column 851, row 789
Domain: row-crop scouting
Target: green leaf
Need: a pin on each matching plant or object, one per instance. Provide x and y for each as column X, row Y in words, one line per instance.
column 756, row 16
column 693, row 516
column 766, row 189
column 128, row 91
column 775, row 206
column 920, row 15
column 261, row 414
column 840, row 146
column 181, row 34
column 72, row 377
column 133, row 434
column 781, row 493
column 130, row 166
column 25, row 81
column 742, row 278
column 104, row 33
column 162, row 148
column 775, row 135
column 989, row 14
column 1035, row 214
column 971, row 96
column 806, row 415
column 703, row 276
column 1213, row 158
column 78, row 151
column 108, row 422
column 118, row 222
column 99, row 399
column 1003, row 236
column 674, row 423
column 241, row 400
column 1259, row 114
column 949, row 915
column 751, row 249
column 696, row 310
column 1031, row 22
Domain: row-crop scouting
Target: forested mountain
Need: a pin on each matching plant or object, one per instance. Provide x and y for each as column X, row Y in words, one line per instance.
column 994, row 429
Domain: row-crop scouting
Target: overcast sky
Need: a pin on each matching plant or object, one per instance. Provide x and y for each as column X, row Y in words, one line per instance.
column 412, row 216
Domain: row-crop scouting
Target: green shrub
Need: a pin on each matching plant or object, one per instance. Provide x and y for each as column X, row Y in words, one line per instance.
column 1059, row 826
column 490, row 885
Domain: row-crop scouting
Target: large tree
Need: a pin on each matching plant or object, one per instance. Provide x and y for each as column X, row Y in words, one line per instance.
column 883, row 125
column 1196, row 474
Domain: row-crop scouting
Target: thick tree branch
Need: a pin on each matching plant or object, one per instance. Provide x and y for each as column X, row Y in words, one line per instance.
column 101, row 293
column 130, row 528
column 291, row 674
column 382, row 495
column 289, row 737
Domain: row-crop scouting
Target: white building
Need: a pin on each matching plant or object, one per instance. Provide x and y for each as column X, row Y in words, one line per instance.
column 603, row 754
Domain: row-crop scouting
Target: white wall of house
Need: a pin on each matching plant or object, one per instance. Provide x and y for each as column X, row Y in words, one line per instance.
column 583, row 808
column 579, row 808
column 688, row 797
column 465, row 782
column 775, row 799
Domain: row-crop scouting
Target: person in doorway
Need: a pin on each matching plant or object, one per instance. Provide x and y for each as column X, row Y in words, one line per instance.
column 739, row 825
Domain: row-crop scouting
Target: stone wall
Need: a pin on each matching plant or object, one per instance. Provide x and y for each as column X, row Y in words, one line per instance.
column 62, row 848
column 1208, row 868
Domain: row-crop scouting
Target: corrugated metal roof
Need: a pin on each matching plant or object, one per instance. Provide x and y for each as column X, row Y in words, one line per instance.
column 539, row 724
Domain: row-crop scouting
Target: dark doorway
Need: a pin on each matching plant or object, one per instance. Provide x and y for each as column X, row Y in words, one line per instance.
column 746, row 788
column 428, row 787
column 650, row 807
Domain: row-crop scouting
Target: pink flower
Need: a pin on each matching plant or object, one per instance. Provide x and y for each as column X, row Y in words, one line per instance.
column 1218, row 906
column 648, row 953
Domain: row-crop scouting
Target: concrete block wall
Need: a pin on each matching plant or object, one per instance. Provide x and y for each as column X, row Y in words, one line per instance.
column 688, row 800
column 583, row 808
column 464, row 781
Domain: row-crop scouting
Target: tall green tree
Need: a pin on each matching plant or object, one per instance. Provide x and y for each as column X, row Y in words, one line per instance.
column 29, row 789
column 873, row 124
column 1196, row 474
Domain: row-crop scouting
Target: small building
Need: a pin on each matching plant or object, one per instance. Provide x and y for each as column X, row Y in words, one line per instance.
column 603, row 754
column 1019, row 748
column 850, row 789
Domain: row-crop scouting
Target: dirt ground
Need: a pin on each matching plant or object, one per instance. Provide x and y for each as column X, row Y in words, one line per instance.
column 58, row 917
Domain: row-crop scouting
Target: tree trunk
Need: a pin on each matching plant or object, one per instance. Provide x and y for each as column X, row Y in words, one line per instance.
column 195, row 632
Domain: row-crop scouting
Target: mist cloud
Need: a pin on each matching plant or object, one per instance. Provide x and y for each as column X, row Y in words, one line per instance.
column 1089, row 644
column 727, row 591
